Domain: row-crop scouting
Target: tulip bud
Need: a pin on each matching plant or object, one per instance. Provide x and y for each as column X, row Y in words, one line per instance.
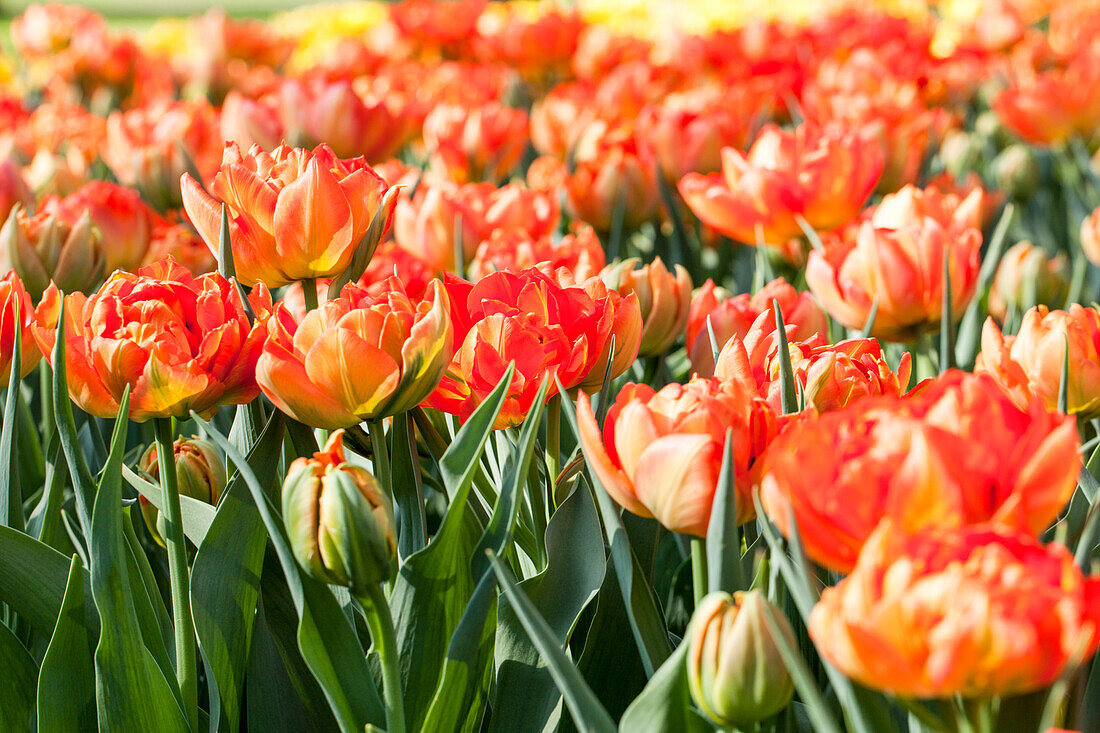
column 339, row 521
column 200, row 474
column 735, row 672
column 1028, row 276
column 989, row 127
column 960, row 152
column 44, row 248
column 664, row 298
column 1016, row 171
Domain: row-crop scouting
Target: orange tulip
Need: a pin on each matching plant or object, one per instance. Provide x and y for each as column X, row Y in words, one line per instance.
column 558, row 118
column 293, row 214
column 953, row 211
column 42, row 249
column 546, row 329
column 11, row 291
column 1054, row 105
column 1030, row 363
column 249, row 122
column 1090, row 237
column 357, row 357
column 660, row 452
column 13, row 187
column 820, row 174
column 900, row 267
column 664, row 298
column 435, row 23
column 979, row 612
column 333, row 113
column 180, row 343
column 609, row 168
column 830, row 375
column 483, row 143
column 122, row 218
column 954, row 452
column 179, row 242
column 535, row 46
column 733, row 315
column 580, row 254
column 1027, row 276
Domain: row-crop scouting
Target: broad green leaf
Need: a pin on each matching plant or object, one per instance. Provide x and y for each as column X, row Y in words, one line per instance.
column 153, row 618
column 66, row 679
column 665, row 704
column 131, row 691
column 583, row 705
column 325, row 636
column 17, row 696
column 33, row 576
column 789, row 393
column 197, row 515
column 434, row 585
column 526, row 696
column 723, row 533
column 408, row 492
column 84, row 486
column 225, row 580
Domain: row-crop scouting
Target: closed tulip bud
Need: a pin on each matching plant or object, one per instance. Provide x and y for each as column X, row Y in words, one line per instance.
column 1028, row 276
column 989, row 128
column 663, row 296
column 339, row 521
column 44, row 248
column 1016, row 171
column 200, row 473
column 960, row 152
column 735, row 671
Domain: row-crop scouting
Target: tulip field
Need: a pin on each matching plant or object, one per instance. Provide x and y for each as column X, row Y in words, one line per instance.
column 611, row 365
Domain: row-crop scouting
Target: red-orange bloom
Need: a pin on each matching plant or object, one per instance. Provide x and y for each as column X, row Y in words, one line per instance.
column 335, row 114
column 180, row 343
column 1054, row 105
column 830, row 375
column 660, row 452
column 357, row 357
column 664, row 297
column 733, row 315
column 483, row 143
column 979, row 612
column 293, row 214
column 820, row 174
column 11, row 291
column 955, row 452
column 548, row 330
column 580, row 253
column 610, row 171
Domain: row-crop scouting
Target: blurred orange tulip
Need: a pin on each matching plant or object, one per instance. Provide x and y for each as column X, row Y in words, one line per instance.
column 1030, row 363
column 580, row 253
column 333, row 113
column 124, row 221
column 821, row 174
column 660, row 452
column 537, row 47
column 611, row 171
column 1054, row 105
column 483, row 143
column 663, row 296
column 955, row 451
column 278, row 229
column 1027, row 276
column 42, row 249
column 1090, row 237
column 11, row 290
column 357, row 357
column 978, row 612
column 180, row 343
column 733, row 315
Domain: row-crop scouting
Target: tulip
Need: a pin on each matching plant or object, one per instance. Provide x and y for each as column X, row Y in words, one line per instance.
column 955, row 452
column 483, row 143
column 610, row 171
column 558, row 118
column 579, row 254
column 180, row 242
column 1031, row 362
column 1054, row 105
column 278, row 229
column 661, row 452
column 954, row 212
column 124, row 222
column 1027, row 276
column 549, row 331
column 1016, row 171
column 977, row 612
column 334, row 114
column 249, row 122
column 180, row 343
column 13, row 188
column 735, row 671
column 338, row 519
column 11, row 292
column 821, row 175
column 536, row 47
column 901, row 269
column 357, row 357
column 200, row 474
column 829, row 376
column 664, row 298
column 43, row 248
column 1090, row 237
column 434, row 23
column 733, row 315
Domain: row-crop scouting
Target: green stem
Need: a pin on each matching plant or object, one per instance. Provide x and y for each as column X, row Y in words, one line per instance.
column 377, row 612
column 309, row 292
column 698, row 568
column 182, row 621
column 553, row 449
column 381, row 453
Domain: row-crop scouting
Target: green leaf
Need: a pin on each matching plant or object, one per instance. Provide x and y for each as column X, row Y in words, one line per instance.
column 325, row 636
column 947, row 319
column 66, row 679
column 84, row 486
column 526, row 696
column 434, row 585
column 153, row 618
column 665, row 704
column 789, row 395
column 197, row 515
column 584, row 707
column 642, row 606
column 723, row 540
column 364, row 251
column 408, row 491
column 17, row 696
column 225, row 580
column 131, row 691
column 33, row 577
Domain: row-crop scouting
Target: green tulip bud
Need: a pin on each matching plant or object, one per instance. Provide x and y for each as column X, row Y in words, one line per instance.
column 735, row 672
column 339, row 521
column 1016, row 171
column 200, row 474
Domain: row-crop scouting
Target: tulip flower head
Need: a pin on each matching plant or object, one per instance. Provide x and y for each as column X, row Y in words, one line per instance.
column 200, row 474
column 43, row 248
column 11, row 292
column 663, row 296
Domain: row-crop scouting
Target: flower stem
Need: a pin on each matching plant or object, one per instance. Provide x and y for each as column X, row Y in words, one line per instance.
column 309, row 292
column 553, row 449
column 182, row 621
column 381, row 453
column 698, row 568
column 377, row 612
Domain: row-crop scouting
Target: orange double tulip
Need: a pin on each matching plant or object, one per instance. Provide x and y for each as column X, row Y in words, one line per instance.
column 180, row 343
column 954, row 452
column 661, row 452
column 978, row 612
column 293, row 214
column 357, row 357
column 483, row 143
